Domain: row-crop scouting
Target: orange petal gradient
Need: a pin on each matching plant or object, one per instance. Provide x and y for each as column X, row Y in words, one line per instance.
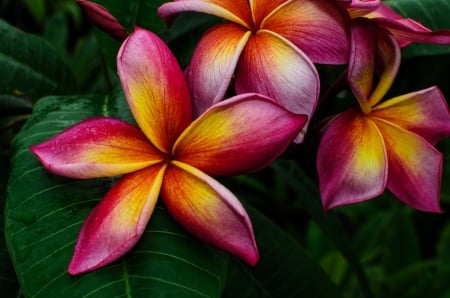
column 213, row 64
column 118, row 221
column 273, row 66
column 238, row 135
column 155, row 88
column 209, row 211
column 318, row 28
column 423, row 112
column 237, row 11
column 351, row 161
column 97, row 147
column 415, row 168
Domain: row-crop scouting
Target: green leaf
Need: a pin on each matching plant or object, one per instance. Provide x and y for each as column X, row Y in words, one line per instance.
column 30, row 66
column 430, row 13
column 284, row 269
column 44, row 214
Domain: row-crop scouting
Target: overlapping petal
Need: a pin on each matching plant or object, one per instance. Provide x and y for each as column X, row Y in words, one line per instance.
column 318, row 28
column 238, row 135
column 155, row 89
column 118, row 221
column 424, row 112
column 273, row 66
column 213, row 64
column 97, row 147
column 415, row 167
column 262, row 8
column 351, row 162
column 237, row 11
column 208, row 210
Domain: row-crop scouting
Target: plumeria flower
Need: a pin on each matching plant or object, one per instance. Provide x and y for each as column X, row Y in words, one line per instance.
column 383, row 144
column 405, row 30
column 168, row 155
column 267, row 46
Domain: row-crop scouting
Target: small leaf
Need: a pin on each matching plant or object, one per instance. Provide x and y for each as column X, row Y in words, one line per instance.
column 30, row 66
column 44, row 214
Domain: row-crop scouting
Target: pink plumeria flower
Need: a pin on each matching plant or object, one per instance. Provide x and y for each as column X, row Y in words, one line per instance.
column 170, row 155
column 383, row 144
column 267, row 46
column 103, row 19
column 405, row 30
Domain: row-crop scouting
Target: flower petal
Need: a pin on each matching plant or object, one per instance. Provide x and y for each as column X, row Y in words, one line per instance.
column 388, row 61
column 213, row 64
column 318, row 28
column 424, row 112
column 97, row 147
column 155, row 88
column 209, row 211
column 118, row 221
column 237, row 11
column 263, row 8
column 273, row 66
column 362, row 60
column 415, row 168
column 351, row 161
column 238, row 135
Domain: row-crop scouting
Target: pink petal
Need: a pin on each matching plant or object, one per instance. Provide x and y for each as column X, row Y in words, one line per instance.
column 213, row 64
column 273, row 66
column 118, row 221
column 415, row 168
column 362, row 60
column 209, row 211
column 351, row 161
column 237, row 11
column 359, row 8
column 155, row 88
column 97, row 147
column 238, row 135
column 318, row 28
column 424, row 112
column 388, row 61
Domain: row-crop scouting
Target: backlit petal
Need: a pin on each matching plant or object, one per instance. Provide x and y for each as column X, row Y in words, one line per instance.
column 273, row 66
column 424, row 112
column 415, row 168
column 238, row 135
column 237, row 11
column 209, row 211
column 213, row 64
column 155, row 88
column 118, row 221
column 318, row 28
column 388, row 61
column 362, row 60
column 97, row 147
column 351, row 161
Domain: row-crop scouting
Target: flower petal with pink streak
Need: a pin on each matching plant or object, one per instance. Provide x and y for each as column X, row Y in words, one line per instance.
column 213, row 64
column 155, row 88
column 239, row 135
column 361, row 66
column 318, row 28
column 423, row 112
column 97, row 147
column 209, row 211
column 118, row 221
column 351, row 161
column 415, row 168
column 388, row 61
column 237, row 11
column 273, row 66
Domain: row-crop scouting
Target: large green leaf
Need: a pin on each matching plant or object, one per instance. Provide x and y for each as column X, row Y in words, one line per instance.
column 30, row 66
column 44, row 214
column 284, row 269
column 431, row 13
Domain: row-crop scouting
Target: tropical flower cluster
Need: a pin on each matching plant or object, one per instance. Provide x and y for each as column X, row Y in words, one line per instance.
column 266, row 51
